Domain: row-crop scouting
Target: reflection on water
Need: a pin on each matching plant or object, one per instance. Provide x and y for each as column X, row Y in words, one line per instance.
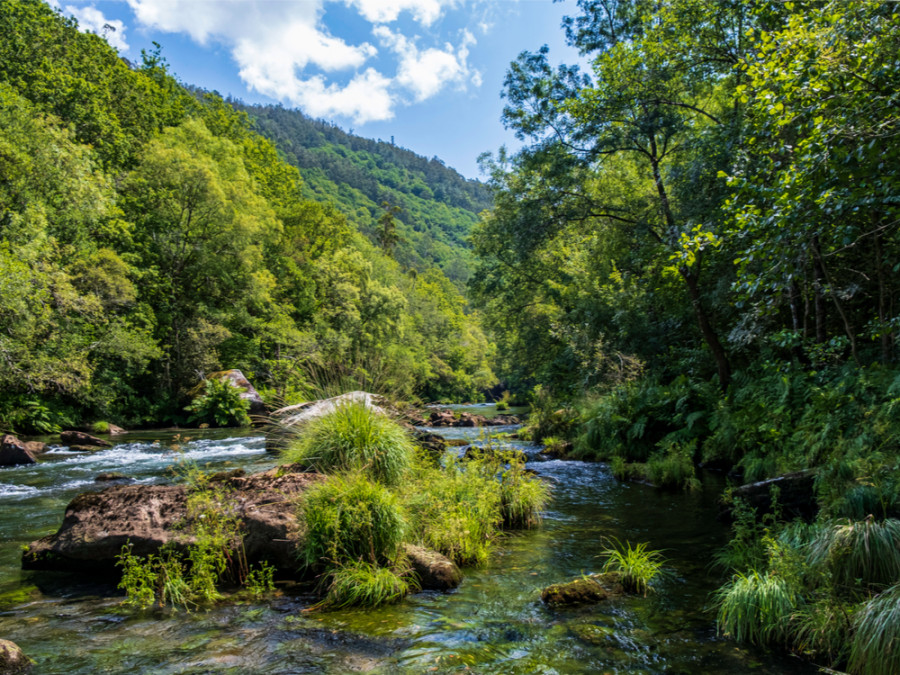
column 494, row 623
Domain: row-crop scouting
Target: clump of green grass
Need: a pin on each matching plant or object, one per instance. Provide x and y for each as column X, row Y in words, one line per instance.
column 863, row 552
column 757, row 608
column 876, row 637
column 361, row 584
column 354, row 437
column 636, row 566
column 456, row 510
column 673, row 468
column 522, row 497
column 350, row 518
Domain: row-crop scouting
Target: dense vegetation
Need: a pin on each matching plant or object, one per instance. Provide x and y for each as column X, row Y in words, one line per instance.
column 694, row 259
column 148, row 236
column 436, row 208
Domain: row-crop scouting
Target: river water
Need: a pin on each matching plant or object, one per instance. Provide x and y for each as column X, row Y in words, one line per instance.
column 494, row 623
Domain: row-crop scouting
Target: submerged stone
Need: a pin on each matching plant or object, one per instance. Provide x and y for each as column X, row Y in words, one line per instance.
column 12, row 659
column 594, row 634
column 578, row 592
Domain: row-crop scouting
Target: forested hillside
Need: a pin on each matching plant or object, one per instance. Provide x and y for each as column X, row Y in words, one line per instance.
column 694, row 258
column 434, row 207
column 149, row 236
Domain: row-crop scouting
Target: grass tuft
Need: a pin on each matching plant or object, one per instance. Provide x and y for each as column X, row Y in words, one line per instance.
column 361, row 584
column 757, row 608
column 353, row 437
column 349, row 518
column 876, row 637
column 638, row 568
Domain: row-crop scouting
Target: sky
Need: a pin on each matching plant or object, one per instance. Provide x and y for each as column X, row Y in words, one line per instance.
column 428, row 73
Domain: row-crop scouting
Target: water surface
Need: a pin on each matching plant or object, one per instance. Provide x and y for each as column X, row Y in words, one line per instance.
column 494, row 623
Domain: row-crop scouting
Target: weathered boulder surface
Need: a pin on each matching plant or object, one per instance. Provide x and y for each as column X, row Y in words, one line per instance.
column 434, row 571
column 98, row 524
column 110, row 476
column 796, row 495
column 36, row 447
column 81, row 439
column 13, row 451
column 446, row 418
column 433, row 444
column 585, row 591
column 12, row 659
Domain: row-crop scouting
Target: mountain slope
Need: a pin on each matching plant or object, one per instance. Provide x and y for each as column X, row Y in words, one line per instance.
column 438, row 206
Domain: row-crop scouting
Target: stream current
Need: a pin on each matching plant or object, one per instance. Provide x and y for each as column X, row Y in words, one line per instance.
column 494, row 622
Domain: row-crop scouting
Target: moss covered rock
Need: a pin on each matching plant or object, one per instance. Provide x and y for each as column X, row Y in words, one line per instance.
column 12, row 659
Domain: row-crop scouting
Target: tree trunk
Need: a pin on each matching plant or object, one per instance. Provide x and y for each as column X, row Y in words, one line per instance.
column 886, row 335
column 709, row 333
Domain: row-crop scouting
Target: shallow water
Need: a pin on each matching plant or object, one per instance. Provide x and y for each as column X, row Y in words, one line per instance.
column 494, row 623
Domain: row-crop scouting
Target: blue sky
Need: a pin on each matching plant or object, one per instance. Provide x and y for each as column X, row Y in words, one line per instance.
column 427, row 72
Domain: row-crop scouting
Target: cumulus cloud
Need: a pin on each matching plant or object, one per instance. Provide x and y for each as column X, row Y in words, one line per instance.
column 425, row 12
column 91, row 20
column 285, row 50
column 425, row 72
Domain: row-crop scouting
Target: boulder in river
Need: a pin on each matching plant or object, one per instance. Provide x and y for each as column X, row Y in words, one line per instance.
column 81, row 439
column 112, row 476
column 12, row 659
column 585, row 591
column 434, row 571
column 97, row 525
column 13, row 451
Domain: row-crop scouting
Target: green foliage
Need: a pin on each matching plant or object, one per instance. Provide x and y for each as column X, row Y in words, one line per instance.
column 455, row 509
column 360, row 584
column 219, row 405
column 757, row 608
column 189, row 575
column 876, row 634
column 548, row 417
column 862, row 553
column 354, row 437
column 636, row 566
column 522, row 497
column 350, row 518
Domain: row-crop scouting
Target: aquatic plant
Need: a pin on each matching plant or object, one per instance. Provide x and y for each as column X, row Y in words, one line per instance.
column 636, row 566
column 876, row 635
column 353, row 437
column 350, row 518
column 757, row 608
column 361, row 584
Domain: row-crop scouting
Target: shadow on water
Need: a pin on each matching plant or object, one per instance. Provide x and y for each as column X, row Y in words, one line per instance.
column 494, row 623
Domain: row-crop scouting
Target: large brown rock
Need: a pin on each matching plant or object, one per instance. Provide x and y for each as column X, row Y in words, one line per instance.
column 36, row 447
column 13, row 451
column 97, row 525
column 12, row 660
column 434, row 571
column 79, row 438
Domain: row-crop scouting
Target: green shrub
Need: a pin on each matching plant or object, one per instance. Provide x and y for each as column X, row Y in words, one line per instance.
column 876, row 635
column 637, row 567
column 674, row 468
column 503, row 402
column 821, row 629
column 549, row 417
column 757, row 608
column 219, row 405
column 350, row 518
column 353, row 437
column 362, row 584
column 100, row 427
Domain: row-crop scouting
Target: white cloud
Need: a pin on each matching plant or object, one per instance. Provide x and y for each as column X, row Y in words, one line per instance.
column 283, row 49
column 91, row 20
column 426, row 72
column 425, row 12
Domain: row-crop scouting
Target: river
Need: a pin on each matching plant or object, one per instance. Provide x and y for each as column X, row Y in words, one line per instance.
column 494, row 623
